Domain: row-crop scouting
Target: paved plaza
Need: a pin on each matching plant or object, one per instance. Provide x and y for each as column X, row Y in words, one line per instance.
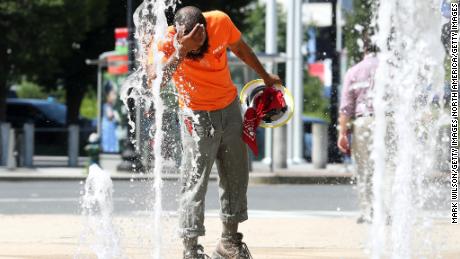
column 39, row 217
column 269, row 237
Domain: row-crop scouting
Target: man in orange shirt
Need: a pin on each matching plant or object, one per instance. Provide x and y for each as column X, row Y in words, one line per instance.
column 196, row 53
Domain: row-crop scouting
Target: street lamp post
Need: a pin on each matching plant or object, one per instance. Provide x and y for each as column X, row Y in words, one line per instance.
column 130, row 25
column 334, row 154
column 130, row 159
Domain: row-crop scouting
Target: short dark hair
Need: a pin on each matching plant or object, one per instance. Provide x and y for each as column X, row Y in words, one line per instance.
column 368, row 45
column 189, row 16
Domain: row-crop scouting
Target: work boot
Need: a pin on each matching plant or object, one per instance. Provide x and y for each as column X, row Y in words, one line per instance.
column 195, row 252
column 232, row 247
column 363, row 219
column 366, row 217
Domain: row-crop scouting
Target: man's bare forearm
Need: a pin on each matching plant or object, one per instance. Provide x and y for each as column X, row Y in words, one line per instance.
column 344, row 121
column 171, row 66
column 247, row 55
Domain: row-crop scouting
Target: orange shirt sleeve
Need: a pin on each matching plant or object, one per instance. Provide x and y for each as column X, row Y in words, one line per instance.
column 234, row 34
column 167, row 45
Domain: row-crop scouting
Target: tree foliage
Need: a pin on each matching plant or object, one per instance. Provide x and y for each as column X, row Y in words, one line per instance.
column 236, row 9
column 314, row 102
column 48, row 41
column 88, row 106
column 27, row 89
column 30, row 90
column 358, row 24
column 39, row 35
column 254, row 28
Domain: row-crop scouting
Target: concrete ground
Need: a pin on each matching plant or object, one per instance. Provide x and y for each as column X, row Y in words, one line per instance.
column 280, row 236
column 269, row 234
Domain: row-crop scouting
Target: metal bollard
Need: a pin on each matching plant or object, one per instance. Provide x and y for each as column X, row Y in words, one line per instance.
column 319, row 149
column 28, row 144
column 279, row 148
column 11, row 158
column 4, row 133
column 73, row 140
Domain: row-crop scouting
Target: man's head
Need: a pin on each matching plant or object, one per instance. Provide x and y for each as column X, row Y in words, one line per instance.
column 185, row 21
column 368, row 45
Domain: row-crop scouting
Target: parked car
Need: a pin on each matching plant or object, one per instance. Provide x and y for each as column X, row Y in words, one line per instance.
column 49, row 118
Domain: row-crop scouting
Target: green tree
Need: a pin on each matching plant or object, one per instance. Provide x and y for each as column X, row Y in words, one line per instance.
column 254, row 28
column 358, row 24
column 28, row 89
column 88, row 106
column 236, row 9
column 39, row 35
column 48, row 41
column 315, row 104
column 73, row 72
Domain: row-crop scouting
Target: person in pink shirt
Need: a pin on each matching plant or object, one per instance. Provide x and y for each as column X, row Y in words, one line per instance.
column 356, row 107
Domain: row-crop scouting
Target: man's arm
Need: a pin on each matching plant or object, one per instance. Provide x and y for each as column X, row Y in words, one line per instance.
column 245, row 53
column 347, row 108
column 187, row 43
column 342, row 142
column 172, row 64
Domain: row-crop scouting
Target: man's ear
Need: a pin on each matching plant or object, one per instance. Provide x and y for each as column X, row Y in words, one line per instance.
column 179, row 35
column 179, row 30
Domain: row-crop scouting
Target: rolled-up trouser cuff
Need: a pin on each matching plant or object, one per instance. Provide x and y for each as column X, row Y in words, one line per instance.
column 219, row 141
column 191, row 232
column 237, row 218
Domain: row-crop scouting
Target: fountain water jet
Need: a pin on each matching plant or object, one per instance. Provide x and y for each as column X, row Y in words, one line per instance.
column 407, row 125
column 151, row 28
column 97, row 207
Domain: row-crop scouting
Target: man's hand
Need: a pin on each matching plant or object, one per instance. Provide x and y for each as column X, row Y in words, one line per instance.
column 192, row 41
column 151, row 74
column 187, row 43
column 343, row 144
column 245, row 53
column 271, row 80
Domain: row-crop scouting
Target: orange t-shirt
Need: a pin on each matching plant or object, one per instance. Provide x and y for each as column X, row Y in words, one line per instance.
column 206, row 84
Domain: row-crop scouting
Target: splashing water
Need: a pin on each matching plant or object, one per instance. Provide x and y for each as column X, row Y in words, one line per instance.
column 409, row 114
column 151, row 28
column 97, row 208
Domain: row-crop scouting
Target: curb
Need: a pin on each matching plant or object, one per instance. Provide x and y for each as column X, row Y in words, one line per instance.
column 76, row 174
column 300, row 179
column 22, row 177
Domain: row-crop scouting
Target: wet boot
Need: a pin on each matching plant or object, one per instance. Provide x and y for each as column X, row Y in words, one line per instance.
column 193, row 250
column 366, row 217
column 232, row 247
column 363, row 219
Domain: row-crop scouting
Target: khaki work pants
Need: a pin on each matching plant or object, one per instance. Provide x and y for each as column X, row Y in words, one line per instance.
column 362, row 141
column 210, row 136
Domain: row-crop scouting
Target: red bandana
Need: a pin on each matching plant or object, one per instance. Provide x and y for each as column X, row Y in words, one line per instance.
column 270, row 100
